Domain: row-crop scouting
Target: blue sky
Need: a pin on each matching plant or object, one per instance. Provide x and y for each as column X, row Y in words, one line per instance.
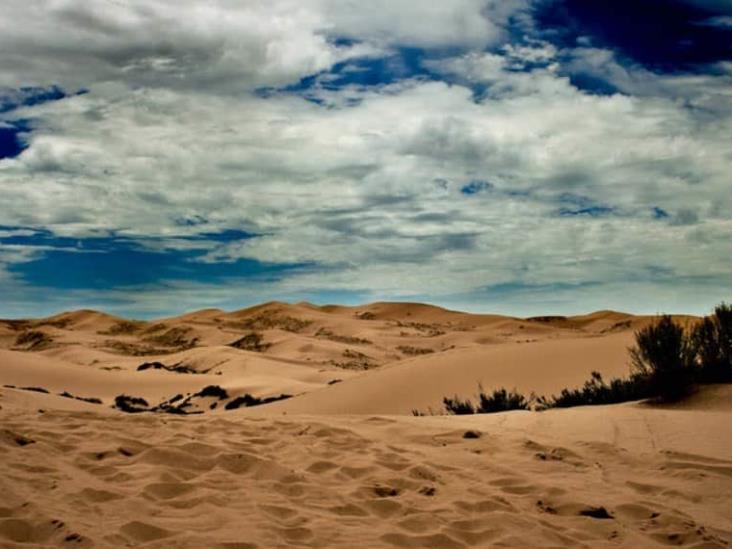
column 515, row 156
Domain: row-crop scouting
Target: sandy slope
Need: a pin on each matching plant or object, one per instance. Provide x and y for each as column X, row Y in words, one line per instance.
column 390, row 357
column 330, row 467
column 544, row 367
column 646, row 477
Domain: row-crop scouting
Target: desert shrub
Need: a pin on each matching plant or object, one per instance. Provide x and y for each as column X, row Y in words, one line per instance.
column 596, row 391
column 174, row 337
column 248, row 400
column 130, row 404
column 268, row 321
column 91, row 400
column 154, row 365
column 35, row 389
column 123, row 327
column 175, row 368
column 33, row 340
column 663, row 355
column 213, row 391
column 711, row 341
column 414, row 351
column 355, row 361
column 251, row 342
column 351, row 340
column 501, row 401
column 457, row 406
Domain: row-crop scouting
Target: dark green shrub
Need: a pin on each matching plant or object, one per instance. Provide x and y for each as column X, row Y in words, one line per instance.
column 711, row 341
column 248, row 400
column 498, row 401
column 501, row 401
column 457, row 406
column 130, row 404
column 663, row 355
column 596, row 391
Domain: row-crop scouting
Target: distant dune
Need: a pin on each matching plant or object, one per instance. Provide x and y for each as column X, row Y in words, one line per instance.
column 299, row 433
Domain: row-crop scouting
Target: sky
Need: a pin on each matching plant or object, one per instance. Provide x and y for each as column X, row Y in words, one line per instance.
column 510, row 156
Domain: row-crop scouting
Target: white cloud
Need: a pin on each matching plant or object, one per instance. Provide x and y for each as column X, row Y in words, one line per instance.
column 370, row 192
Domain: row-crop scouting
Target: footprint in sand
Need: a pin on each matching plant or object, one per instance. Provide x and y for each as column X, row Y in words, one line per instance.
column 167, row 490
column 143, row 532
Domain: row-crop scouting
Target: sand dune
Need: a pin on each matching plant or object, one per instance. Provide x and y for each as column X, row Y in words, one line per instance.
column 390, row 357
column 544, row 367
column 342, row 462
column 619, row 476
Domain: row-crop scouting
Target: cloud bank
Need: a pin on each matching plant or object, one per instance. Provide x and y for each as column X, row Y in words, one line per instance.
column 471, row 155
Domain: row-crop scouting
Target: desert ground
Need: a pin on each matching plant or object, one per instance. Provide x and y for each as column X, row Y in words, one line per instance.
column 288, row 425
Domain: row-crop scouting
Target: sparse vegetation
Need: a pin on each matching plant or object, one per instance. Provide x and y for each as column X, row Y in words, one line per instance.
column 123, row 327
column 424, row 330
column 177, row 337
column 350, row 340
column 553, row 318
column 666, row 362
column 91, row 400
column 35, row 389
column 135, row 349
column 33, row 340
column 596, row 391
column 356, row 361
column 414, row 351
column 176, row 368
column 500, row 400
column 251, row 342
column 130, row 404
column 270, row 321
column 457, row 406
column 185, row 405
column 213, row 391
column 248, row 400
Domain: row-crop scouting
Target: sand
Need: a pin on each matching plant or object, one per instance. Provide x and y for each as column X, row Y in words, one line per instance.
column 343, row 462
